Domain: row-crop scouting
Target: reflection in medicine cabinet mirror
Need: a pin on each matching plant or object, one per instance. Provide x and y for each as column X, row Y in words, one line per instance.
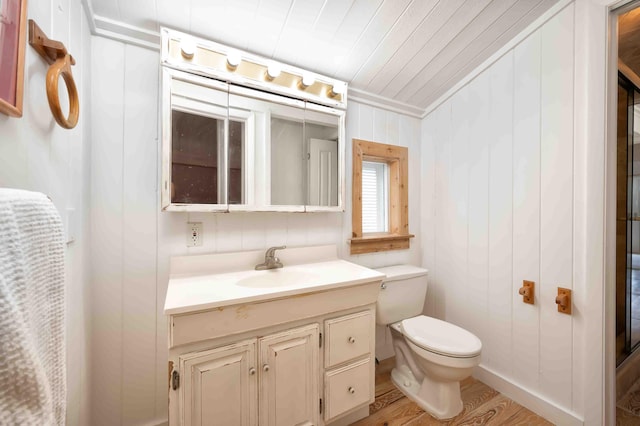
column 231, row 148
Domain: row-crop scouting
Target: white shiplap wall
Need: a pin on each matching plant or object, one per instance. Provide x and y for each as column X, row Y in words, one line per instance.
column 497, row 208
column 38, row 155
column 132, row 240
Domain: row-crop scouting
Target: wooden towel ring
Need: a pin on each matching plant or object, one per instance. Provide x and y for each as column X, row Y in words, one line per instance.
column 60, row 62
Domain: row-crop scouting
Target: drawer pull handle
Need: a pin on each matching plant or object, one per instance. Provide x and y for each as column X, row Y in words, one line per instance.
column 265, row 367
column 352, row 339
column 351, row 389
column 252, row 371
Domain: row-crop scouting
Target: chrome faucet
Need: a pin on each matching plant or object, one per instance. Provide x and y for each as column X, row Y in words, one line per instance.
column 270, row 259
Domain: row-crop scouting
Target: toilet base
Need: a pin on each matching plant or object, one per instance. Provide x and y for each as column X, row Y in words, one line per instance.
column 440, row 399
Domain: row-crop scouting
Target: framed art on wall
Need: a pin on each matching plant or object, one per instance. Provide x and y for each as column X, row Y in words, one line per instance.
column 13, row 17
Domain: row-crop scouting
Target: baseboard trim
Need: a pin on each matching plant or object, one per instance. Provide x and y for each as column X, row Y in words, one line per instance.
column 527, row 398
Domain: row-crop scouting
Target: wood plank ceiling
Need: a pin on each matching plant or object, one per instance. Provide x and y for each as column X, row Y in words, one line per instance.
column 410, row 51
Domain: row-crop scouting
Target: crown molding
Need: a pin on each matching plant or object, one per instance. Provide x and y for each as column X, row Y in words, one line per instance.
column 363, row 97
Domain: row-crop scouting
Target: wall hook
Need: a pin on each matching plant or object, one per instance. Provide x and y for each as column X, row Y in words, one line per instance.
column 60, row 61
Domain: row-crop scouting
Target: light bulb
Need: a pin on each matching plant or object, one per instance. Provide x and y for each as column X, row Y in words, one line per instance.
column 187, row 47
column 307, row 80
column 233, row 59
column 273, row 70
column 338, row 88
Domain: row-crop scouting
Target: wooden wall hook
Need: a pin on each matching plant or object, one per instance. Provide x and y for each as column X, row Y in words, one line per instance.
column 527, row 291
column 60, row 61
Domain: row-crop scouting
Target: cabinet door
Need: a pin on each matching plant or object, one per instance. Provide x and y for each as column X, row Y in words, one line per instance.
column 289, row 372
column 219, row 386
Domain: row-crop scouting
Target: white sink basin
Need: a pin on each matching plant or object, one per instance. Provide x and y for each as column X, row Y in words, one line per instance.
column 226, row 279
column 282, row 277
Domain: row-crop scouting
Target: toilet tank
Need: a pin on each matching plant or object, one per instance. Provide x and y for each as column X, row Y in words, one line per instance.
column 402, row 293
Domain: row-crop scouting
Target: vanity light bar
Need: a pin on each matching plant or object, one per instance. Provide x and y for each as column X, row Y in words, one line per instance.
column 199, row 56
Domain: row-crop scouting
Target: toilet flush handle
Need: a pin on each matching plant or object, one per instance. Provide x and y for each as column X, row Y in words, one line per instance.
column 383, row 286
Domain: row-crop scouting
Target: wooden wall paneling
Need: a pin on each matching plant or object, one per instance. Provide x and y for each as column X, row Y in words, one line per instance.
column 365, row 125
column 458, row 209
column 174, row 14
column 442, row 82
column 556, row 204
column 478, row 237
column 386, row 47
column 352, row 25
column 318, row 35
column 301, row 20
column 297, row 229
column 427, row 211
column 106, row 231
column 351, row 131
column 379, row 77
column 271, row 18
column 378, row 28
column 442, row 40
column 500, row 214
column 171, row 242
column 380, row 126
column 101, row 8
column 469, row 43
column 393, row 130
column 443, row 194
column 138, row 13
column 409, row 136
column 254, row 233
column 526, row 208
column 139, row 201
column 229, row 232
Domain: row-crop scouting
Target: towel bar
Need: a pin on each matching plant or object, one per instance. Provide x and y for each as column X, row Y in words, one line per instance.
column 60, row 61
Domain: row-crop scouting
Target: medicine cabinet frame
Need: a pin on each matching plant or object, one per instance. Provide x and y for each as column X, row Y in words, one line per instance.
column 257, row 167
column 195, row 95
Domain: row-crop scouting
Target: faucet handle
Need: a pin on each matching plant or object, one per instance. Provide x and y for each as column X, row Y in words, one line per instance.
column 272, row 250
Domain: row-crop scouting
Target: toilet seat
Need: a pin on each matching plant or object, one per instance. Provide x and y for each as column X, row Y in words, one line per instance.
column 440, row 337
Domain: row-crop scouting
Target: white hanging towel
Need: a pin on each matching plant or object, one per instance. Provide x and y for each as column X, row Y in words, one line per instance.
column 32, row 306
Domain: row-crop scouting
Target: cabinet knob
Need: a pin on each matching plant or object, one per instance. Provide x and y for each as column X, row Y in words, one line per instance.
column 265, row 367
column 352, row 339
column 351, row 389
column 252, row 371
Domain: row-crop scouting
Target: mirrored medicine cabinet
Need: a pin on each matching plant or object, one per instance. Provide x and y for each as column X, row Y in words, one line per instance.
column 232, row 148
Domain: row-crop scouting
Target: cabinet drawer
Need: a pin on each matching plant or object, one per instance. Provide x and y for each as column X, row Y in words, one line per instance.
column 348, row 337
column 348, row 387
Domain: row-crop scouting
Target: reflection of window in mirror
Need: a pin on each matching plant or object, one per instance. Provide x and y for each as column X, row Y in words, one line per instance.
column 380, row 200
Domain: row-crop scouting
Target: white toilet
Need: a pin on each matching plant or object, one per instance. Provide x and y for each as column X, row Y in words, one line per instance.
column 432, row 356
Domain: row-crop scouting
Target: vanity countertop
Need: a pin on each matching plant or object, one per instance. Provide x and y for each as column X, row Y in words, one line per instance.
column 202, row 291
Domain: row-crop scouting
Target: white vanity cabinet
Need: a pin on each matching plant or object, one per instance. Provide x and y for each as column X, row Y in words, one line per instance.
column 219, row 384
column 274, row 379
column 294, row 346
column 289, row 377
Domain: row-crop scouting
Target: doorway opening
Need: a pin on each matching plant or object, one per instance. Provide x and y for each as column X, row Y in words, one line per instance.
column 627, row 215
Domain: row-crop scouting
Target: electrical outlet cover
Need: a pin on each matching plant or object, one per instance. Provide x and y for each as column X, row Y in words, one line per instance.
column 194, row 234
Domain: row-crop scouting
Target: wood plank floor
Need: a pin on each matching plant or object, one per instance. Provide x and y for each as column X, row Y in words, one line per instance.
column 482, row 406
column 628, row 407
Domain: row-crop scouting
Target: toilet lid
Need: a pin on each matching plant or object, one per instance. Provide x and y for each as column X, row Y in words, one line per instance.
column 441, row 337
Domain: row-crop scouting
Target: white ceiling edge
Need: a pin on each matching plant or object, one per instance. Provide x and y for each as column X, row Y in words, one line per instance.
column 364, row 97
column 511, row 44
column 131, row 34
